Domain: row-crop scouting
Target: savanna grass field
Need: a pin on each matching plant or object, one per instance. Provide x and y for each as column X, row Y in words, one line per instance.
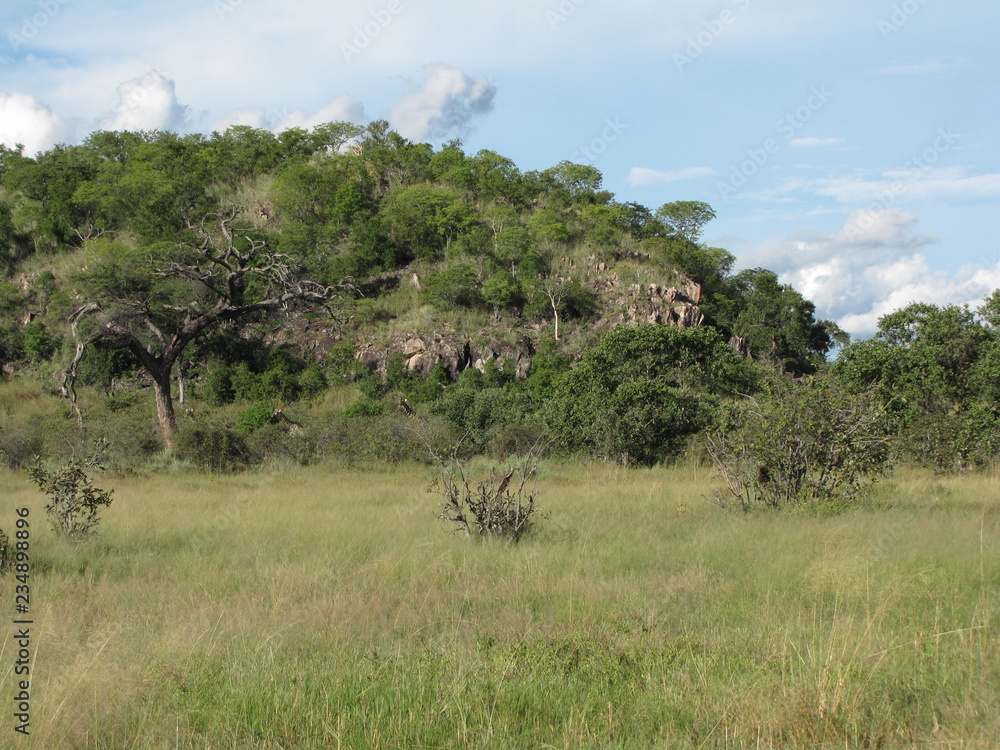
column 328, row 607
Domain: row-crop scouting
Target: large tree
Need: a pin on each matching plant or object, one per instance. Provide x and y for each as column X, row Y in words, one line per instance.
column 154, row 302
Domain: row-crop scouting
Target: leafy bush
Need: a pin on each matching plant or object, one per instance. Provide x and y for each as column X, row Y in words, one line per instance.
column 799, row 444
column 254, row 417
column 218, row 387
column 642, row 392
column 18, row 446
column 216, row 448
column 74, row 503
column 458, row 284
column 365, row 407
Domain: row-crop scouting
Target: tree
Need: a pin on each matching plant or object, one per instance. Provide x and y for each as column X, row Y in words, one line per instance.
column 798, row 444
column 641, row 392
column 424, row 219
column 155, row 310
column 686, row 218
column 777, row 323
column 936, row 371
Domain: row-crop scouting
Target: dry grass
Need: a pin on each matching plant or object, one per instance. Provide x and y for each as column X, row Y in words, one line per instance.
column 321, row 608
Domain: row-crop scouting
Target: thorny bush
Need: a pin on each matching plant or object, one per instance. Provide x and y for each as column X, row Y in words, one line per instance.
column 501, row 506
column 799, row 444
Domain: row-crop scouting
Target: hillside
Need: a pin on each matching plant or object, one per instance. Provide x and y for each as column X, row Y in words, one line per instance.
column 338, row 270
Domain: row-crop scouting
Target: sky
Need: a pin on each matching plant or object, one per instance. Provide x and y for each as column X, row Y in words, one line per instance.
column 849, row 146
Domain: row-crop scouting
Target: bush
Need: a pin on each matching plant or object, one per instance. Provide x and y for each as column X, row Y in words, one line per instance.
column 75, row 504
column 458, row 284
column 254, row 417
column 365, row 407
column 215, row 448
column 5, row 552
column 19, row 446
column 498, row 507
column 799, row 444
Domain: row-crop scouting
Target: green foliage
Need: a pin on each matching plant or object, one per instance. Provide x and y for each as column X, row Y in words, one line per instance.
column 38, row 344
column 254, row 417
column 686, row 219
column 457, row 284
column 641, row 392
column 708, row 266
column 102, row 367
column 74, row 505
column 503, row 292
column 800, row 445
column 365, row 407
column 936, row 372
column 218, row 389
column 423, row 220
column 777, row 323
column 215, row 448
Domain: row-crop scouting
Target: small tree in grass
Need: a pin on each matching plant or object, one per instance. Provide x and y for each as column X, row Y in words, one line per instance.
column 799, row 444
column 501, row 506
column 74, row 503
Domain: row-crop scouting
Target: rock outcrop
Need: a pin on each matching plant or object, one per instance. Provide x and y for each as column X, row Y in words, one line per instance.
column 422, row 351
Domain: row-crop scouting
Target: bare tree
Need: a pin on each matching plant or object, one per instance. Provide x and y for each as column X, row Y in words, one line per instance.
column 216, row 270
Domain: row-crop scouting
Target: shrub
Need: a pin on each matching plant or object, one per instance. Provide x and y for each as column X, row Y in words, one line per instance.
column 254, row 417
column 498, row 507
column 365, row 407
column 75, row 504
column 799, row 444
column 19, row 445
column 5, row 552
column 216, row 448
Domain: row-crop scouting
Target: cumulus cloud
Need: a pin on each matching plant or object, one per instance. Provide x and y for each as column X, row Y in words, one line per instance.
column 446, row 104
column 341, row 109
column 147, row 103
column 25, row 120
column 642, row 176
column 875, row 264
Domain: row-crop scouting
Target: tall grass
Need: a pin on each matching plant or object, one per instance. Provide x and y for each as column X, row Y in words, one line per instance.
column 329, row 608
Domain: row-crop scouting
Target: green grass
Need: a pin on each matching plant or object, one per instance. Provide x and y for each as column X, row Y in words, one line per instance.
column 329, row 608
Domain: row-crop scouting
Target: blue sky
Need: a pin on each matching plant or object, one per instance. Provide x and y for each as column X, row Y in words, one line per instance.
column 849, row 146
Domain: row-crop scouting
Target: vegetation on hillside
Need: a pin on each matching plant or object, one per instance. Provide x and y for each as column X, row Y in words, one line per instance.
column 246, row 270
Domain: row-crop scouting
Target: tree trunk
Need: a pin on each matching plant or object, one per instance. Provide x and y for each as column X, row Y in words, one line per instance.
column 164, row 407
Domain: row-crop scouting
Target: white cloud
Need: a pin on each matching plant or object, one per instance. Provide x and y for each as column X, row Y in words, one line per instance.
column 341, row 109
column 147, row 103
column 915, row 180
column 444, row 105
column 254, row 117
column 875, row 264
column 25, row 120
column 813, row 142
column 642, row 176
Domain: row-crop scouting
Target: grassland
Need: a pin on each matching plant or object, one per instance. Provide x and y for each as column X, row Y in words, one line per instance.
column 328, row 607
